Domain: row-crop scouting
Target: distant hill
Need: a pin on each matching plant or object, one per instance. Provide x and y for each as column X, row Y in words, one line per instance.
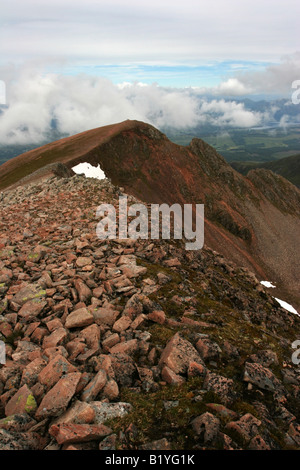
column 288, row 167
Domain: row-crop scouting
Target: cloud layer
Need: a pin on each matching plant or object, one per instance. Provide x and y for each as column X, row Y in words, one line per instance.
column 114, row 31
column 276, row 78
column 174, row 43
column 38, row 104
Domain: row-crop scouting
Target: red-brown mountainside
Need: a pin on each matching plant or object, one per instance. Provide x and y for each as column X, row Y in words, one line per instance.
column 253, row 221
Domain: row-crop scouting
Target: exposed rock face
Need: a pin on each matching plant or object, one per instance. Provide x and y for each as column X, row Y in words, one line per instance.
column 247, row 427
column 22, row 401
column 55, row 402
column 262, row 377
column 73, row 433
column 178, row 355
column 206, row 427
column 175, row 349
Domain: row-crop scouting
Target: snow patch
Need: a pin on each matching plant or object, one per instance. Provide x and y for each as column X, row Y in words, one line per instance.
column 89, row 171
column 287, row 306
column 267, row 284
column 282, row 303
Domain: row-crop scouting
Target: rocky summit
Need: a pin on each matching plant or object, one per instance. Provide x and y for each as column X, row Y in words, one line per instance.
column 133, row 344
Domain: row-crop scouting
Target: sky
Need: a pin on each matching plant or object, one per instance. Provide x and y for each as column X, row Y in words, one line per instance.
column 61, row 60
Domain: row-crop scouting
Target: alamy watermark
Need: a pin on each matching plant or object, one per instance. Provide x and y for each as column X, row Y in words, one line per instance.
column 156, row 223
column 296, row 354
column 2, row 92
column 296, row 93
column 2, row 353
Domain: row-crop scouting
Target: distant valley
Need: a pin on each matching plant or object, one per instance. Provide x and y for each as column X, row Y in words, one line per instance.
column 251, row 145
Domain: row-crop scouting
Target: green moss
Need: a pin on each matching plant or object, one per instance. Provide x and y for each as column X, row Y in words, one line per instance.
column 211, row 397
column 215, row 309
column 172, row 309
column 242, row 408
column 31, row 404
column 163, row 296
column 6, row 420
column 237, row 438
column 154, row 269
column 279, row 437
column 33, row 256
column 3, row 305
column 35, row 297
column 160, row 334
column 154, row 421
column 27, row 167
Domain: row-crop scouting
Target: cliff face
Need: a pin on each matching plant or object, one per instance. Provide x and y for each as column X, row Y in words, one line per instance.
column 252, row 221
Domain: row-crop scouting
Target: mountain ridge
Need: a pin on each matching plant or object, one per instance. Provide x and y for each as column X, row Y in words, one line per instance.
column 245, row 219
column 288, row 167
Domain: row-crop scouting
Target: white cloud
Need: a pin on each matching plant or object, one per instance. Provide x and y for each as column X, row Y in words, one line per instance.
column 2, row 92
column 38, row 102
column 274, row 79
column 228, row 113
column 284, row 121
column 232, row 87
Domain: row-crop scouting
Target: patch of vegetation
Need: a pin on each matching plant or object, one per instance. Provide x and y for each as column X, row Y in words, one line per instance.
column 242, row 408
column 161, row 334
column 250, row 145
column 154, row 421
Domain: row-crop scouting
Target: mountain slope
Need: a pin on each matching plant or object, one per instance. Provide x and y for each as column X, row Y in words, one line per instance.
column 245, row 220
column 288, row 167
column 133, row 344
